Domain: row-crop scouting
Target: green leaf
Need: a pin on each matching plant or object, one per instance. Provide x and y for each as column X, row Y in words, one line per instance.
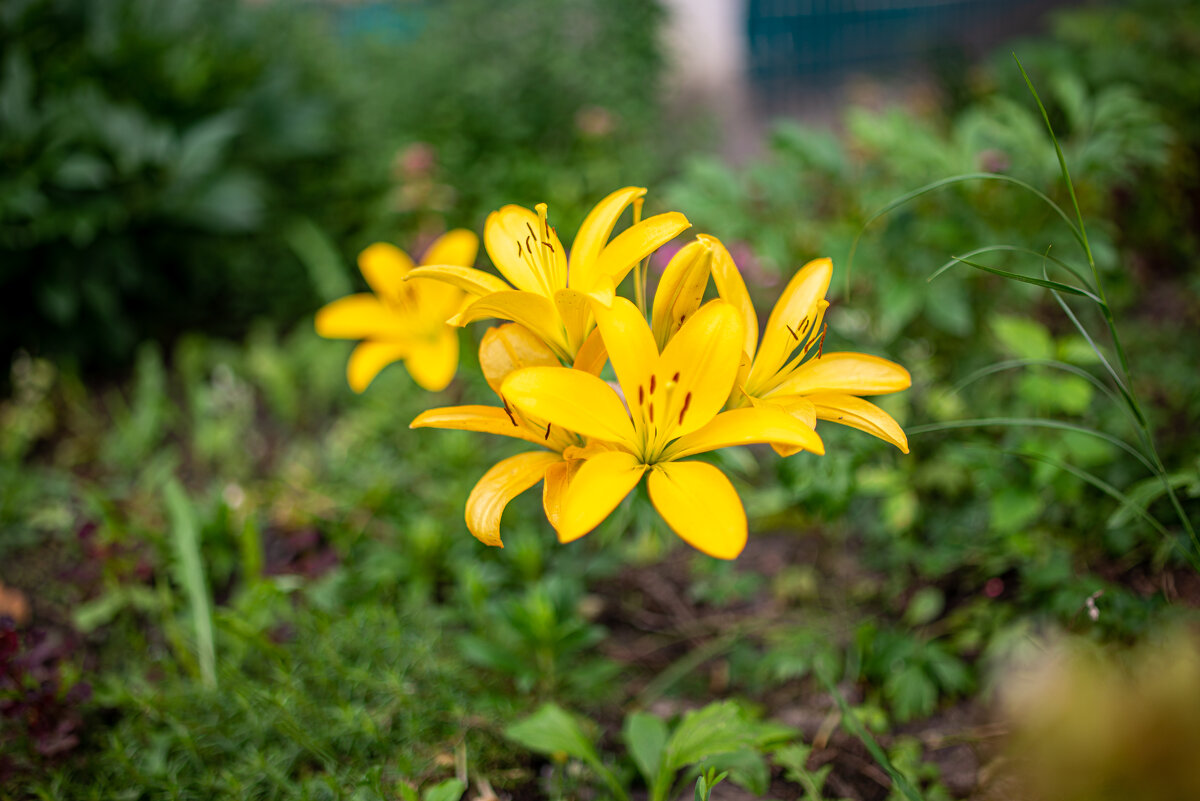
column 911, row 691
column 449, row 790
column 745, row 768
column 925, row 606
column 189, row 572
column 646, row 737
column 716, row 729
column 1024, row 338
column 553, row 732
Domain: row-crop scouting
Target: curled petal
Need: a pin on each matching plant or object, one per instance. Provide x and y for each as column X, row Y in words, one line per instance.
column 592, row 354
column 534, row 311
column 511, row 347
column 574, row 309
column 701, row 506
column 505, row 481
column 597, row 488
column 636, row 243
column 369, row 358
column 745, row 427
column 594, row 233
column 558, row 478
column 849, row 373
column 484, row 419
column 732, row 289
column 681, row 289
column 573, row 399
column 468, row 279
column 795, row 305
column 861, row 414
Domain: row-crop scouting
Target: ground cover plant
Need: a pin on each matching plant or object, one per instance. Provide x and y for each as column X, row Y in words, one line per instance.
column 236, row 571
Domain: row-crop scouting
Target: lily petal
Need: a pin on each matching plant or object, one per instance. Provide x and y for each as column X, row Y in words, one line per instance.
column 594, row 233
column 861, row 414
column 535, row 312
column 558, row 477
column 636, row 243
column 680, row 290
column 850, row 373
column 510, row 235
column 368, row 358
column 807, row 286
column 704, row 354
column 432, row 362
column 511, row 347
column 384, row 266
column 484, row 419
column 458, row 247
column 361, row 316
column 596, row 489
column 592, row 354
column 468, row 279
column 744, row 427
column 629, row 342
column 573, row 399
column 701, row 506
column 505, row 481
column 732, row 289
column 574, row 309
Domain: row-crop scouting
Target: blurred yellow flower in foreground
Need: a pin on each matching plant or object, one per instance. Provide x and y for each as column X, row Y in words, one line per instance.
column 546, row 292
column 401, row 320
column 671, row 410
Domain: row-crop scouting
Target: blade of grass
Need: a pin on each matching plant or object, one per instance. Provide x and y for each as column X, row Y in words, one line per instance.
column 1010, row 249
column 1062, row 164
column 952, row 180
column 1035, row 422
column 1102, row 485
column 189, row 567
column 855, row 727
column 1042, row 282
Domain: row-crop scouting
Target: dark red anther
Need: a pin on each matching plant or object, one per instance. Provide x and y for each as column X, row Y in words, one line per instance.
column 687, row 400
column 653, row 381
column 821, row 341
column 790, row 331
column 547, row 431
column 675, row 377
column 641, row 395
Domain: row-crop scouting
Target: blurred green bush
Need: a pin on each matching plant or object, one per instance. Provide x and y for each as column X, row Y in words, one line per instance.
column 156, row 154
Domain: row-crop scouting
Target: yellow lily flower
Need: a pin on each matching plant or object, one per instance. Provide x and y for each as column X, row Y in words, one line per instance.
column 790, row 368
column 401, row 321
column 545, row 291
column 503, row 350
column 671, row 410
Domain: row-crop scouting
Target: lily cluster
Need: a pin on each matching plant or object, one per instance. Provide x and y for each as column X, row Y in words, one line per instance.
column 692, row 378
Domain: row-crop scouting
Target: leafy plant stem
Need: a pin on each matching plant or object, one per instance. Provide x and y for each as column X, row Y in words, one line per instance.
column 855, row 727
column 1159, row 467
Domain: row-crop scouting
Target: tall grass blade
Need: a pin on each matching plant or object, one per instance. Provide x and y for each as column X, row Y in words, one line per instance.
column 1102, row 485
column 952, row 180
column 1010, row 249
column 1062, row 164
column 189, row 572
column 1035, row 422
column 1042, row 282
column 855, row 727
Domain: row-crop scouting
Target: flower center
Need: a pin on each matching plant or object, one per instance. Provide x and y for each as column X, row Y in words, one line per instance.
column 536, row 249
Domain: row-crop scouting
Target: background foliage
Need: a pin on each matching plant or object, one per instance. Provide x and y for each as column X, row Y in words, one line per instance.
column 247, row 582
